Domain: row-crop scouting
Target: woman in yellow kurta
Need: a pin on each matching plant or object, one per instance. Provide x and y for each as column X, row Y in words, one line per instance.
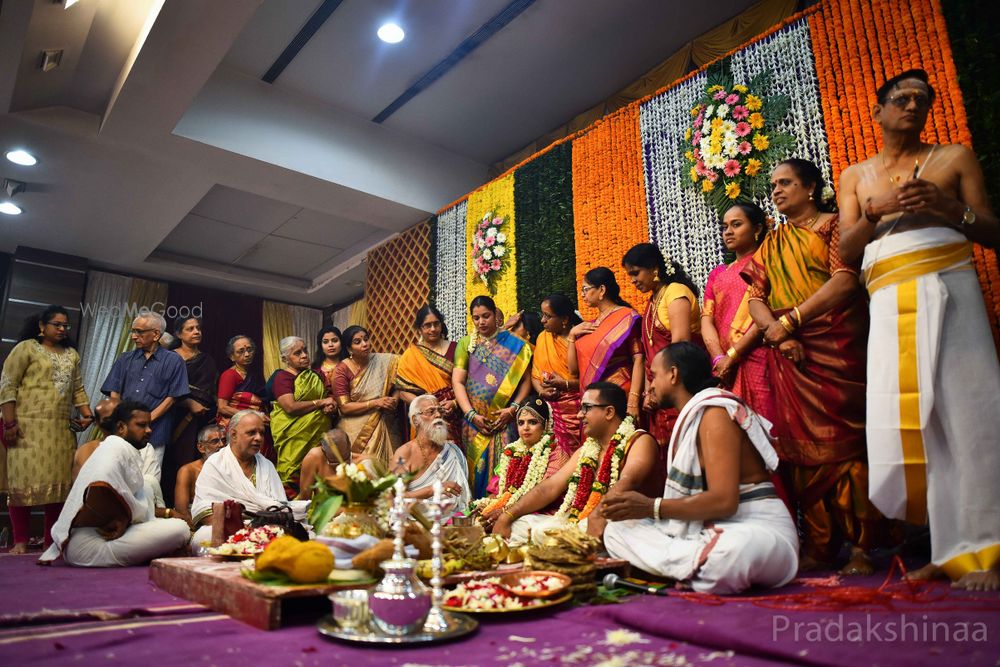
column 426, row 366
column 301, row 411
column 40, row 385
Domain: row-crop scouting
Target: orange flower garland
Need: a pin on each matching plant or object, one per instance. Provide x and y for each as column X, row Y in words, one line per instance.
column 846, row 39
column 609, row 198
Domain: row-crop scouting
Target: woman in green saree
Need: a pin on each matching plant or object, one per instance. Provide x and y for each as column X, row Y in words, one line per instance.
column 491, row 377
column 300, row 414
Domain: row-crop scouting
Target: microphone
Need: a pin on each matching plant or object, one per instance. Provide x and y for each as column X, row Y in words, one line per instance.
column 612, row 581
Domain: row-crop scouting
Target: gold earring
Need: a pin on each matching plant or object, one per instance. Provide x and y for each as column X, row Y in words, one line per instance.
column 656, row 275
column 758, row 234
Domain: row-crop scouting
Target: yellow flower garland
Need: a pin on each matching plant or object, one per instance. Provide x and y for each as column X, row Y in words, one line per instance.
column 496, row 196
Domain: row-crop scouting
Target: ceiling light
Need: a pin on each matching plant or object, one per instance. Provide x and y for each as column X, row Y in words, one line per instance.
column 391, row 33
column 23, row 158
column 68, row 3
column 10, row 208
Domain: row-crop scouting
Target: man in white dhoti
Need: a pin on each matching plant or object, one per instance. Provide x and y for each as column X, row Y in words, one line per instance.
column 719, row 526
column 110, row 518
column 914, row 210
column 615, row 455
column 431, row 457
column 239, row 472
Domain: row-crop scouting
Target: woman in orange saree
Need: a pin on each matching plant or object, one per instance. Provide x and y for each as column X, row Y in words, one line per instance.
column 809, row 305
column 426, row 366
column 607, row 348
column 553, row 381
column 672, row 315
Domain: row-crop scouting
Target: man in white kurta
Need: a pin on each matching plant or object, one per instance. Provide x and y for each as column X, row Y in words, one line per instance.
column 126, row 528
column 721, row 529
column 933, row 376
column 431, row 457
column 239, row 472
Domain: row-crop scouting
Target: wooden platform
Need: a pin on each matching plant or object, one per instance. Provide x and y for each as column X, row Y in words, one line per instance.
column 219, row 586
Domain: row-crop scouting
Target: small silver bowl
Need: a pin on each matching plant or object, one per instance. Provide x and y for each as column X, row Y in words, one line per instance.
column 350, row 608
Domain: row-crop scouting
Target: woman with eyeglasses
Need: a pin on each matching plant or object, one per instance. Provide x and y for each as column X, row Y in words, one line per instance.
column 607, row 348
column 40, row 386
column 363, row 386
column 426, row 367
column 193, row 412
column 491, row 379
column 240, row 388
column 809, row 305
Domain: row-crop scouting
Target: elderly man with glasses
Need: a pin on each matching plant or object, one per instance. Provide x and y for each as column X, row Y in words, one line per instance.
column 152, row 376
column 431, row 457
column 210, row 440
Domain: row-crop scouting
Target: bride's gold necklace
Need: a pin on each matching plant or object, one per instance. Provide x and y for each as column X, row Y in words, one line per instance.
column 654, row 306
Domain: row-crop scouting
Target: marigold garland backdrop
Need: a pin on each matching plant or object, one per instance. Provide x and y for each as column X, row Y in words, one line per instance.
column 584, row 200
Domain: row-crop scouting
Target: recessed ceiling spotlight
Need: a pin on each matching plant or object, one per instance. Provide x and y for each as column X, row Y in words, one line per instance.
column 10, row 208
column 67, row 3
column 391, row 33
column 21, row 157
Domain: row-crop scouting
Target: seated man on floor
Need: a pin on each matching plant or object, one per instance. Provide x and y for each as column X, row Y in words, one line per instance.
column 239, row 472
column 210, row 440
column 322, row 460
column 615, row 455
column 719, row 527
column 104, row 410
column 431, row 457
column 109, row 518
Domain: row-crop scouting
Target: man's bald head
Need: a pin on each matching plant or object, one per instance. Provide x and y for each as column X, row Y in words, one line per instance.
column 334, row 442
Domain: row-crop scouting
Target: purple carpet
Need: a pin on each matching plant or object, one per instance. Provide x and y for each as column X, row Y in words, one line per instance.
column 117, row 616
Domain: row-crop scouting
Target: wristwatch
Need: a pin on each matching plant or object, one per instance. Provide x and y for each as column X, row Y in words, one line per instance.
column 969, row 217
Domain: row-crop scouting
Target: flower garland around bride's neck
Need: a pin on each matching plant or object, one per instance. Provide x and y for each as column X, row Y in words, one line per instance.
column 521, row 469
column 592, row 480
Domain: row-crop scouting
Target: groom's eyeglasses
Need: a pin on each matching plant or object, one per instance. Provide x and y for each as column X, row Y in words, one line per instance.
column 586, row 407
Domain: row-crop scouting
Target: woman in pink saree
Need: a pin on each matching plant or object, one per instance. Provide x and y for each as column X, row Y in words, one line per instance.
column 727, row 328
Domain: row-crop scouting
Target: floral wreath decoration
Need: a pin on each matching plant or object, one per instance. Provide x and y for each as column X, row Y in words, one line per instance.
column 734, row 138
column 489, row 248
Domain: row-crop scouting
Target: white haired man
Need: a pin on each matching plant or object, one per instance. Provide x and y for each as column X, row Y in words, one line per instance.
column 152, row 376
column 239, row 472
column 430, row 457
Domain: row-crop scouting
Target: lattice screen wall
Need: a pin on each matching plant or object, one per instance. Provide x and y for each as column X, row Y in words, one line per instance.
column 397, row 285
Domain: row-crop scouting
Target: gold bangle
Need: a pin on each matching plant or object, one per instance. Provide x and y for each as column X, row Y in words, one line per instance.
column 786, row 323
column 733, row 354
column 167, row 513
column 510, row 514
column 798, row 315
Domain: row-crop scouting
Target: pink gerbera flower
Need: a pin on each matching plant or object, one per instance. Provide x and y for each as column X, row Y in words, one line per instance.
column 700, row 119
column 732, row 99
column 697, row 154
column 740, row 112
column 719, row 95
column 744, row 148
column 490, row 240
column 731, row 168
column 743, row 129
column 696, row 139
column 495, row 265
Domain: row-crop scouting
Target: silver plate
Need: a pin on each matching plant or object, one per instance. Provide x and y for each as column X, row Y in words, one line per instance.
column 458, row 626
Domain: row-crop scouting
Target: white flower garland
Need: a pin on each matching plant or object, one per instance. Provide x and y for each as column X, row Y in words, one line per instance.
column 449, row 281
column 533, row 476
column 681, row 223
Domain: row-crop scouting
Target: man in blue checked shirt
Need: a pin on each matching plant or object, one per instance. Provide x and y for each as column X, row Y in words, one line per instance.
column 150, row 375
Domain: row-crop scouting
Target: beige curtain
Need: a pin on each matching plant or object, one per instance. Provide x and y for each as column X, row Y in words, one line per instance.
column 712, row 45
column 277, row 324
